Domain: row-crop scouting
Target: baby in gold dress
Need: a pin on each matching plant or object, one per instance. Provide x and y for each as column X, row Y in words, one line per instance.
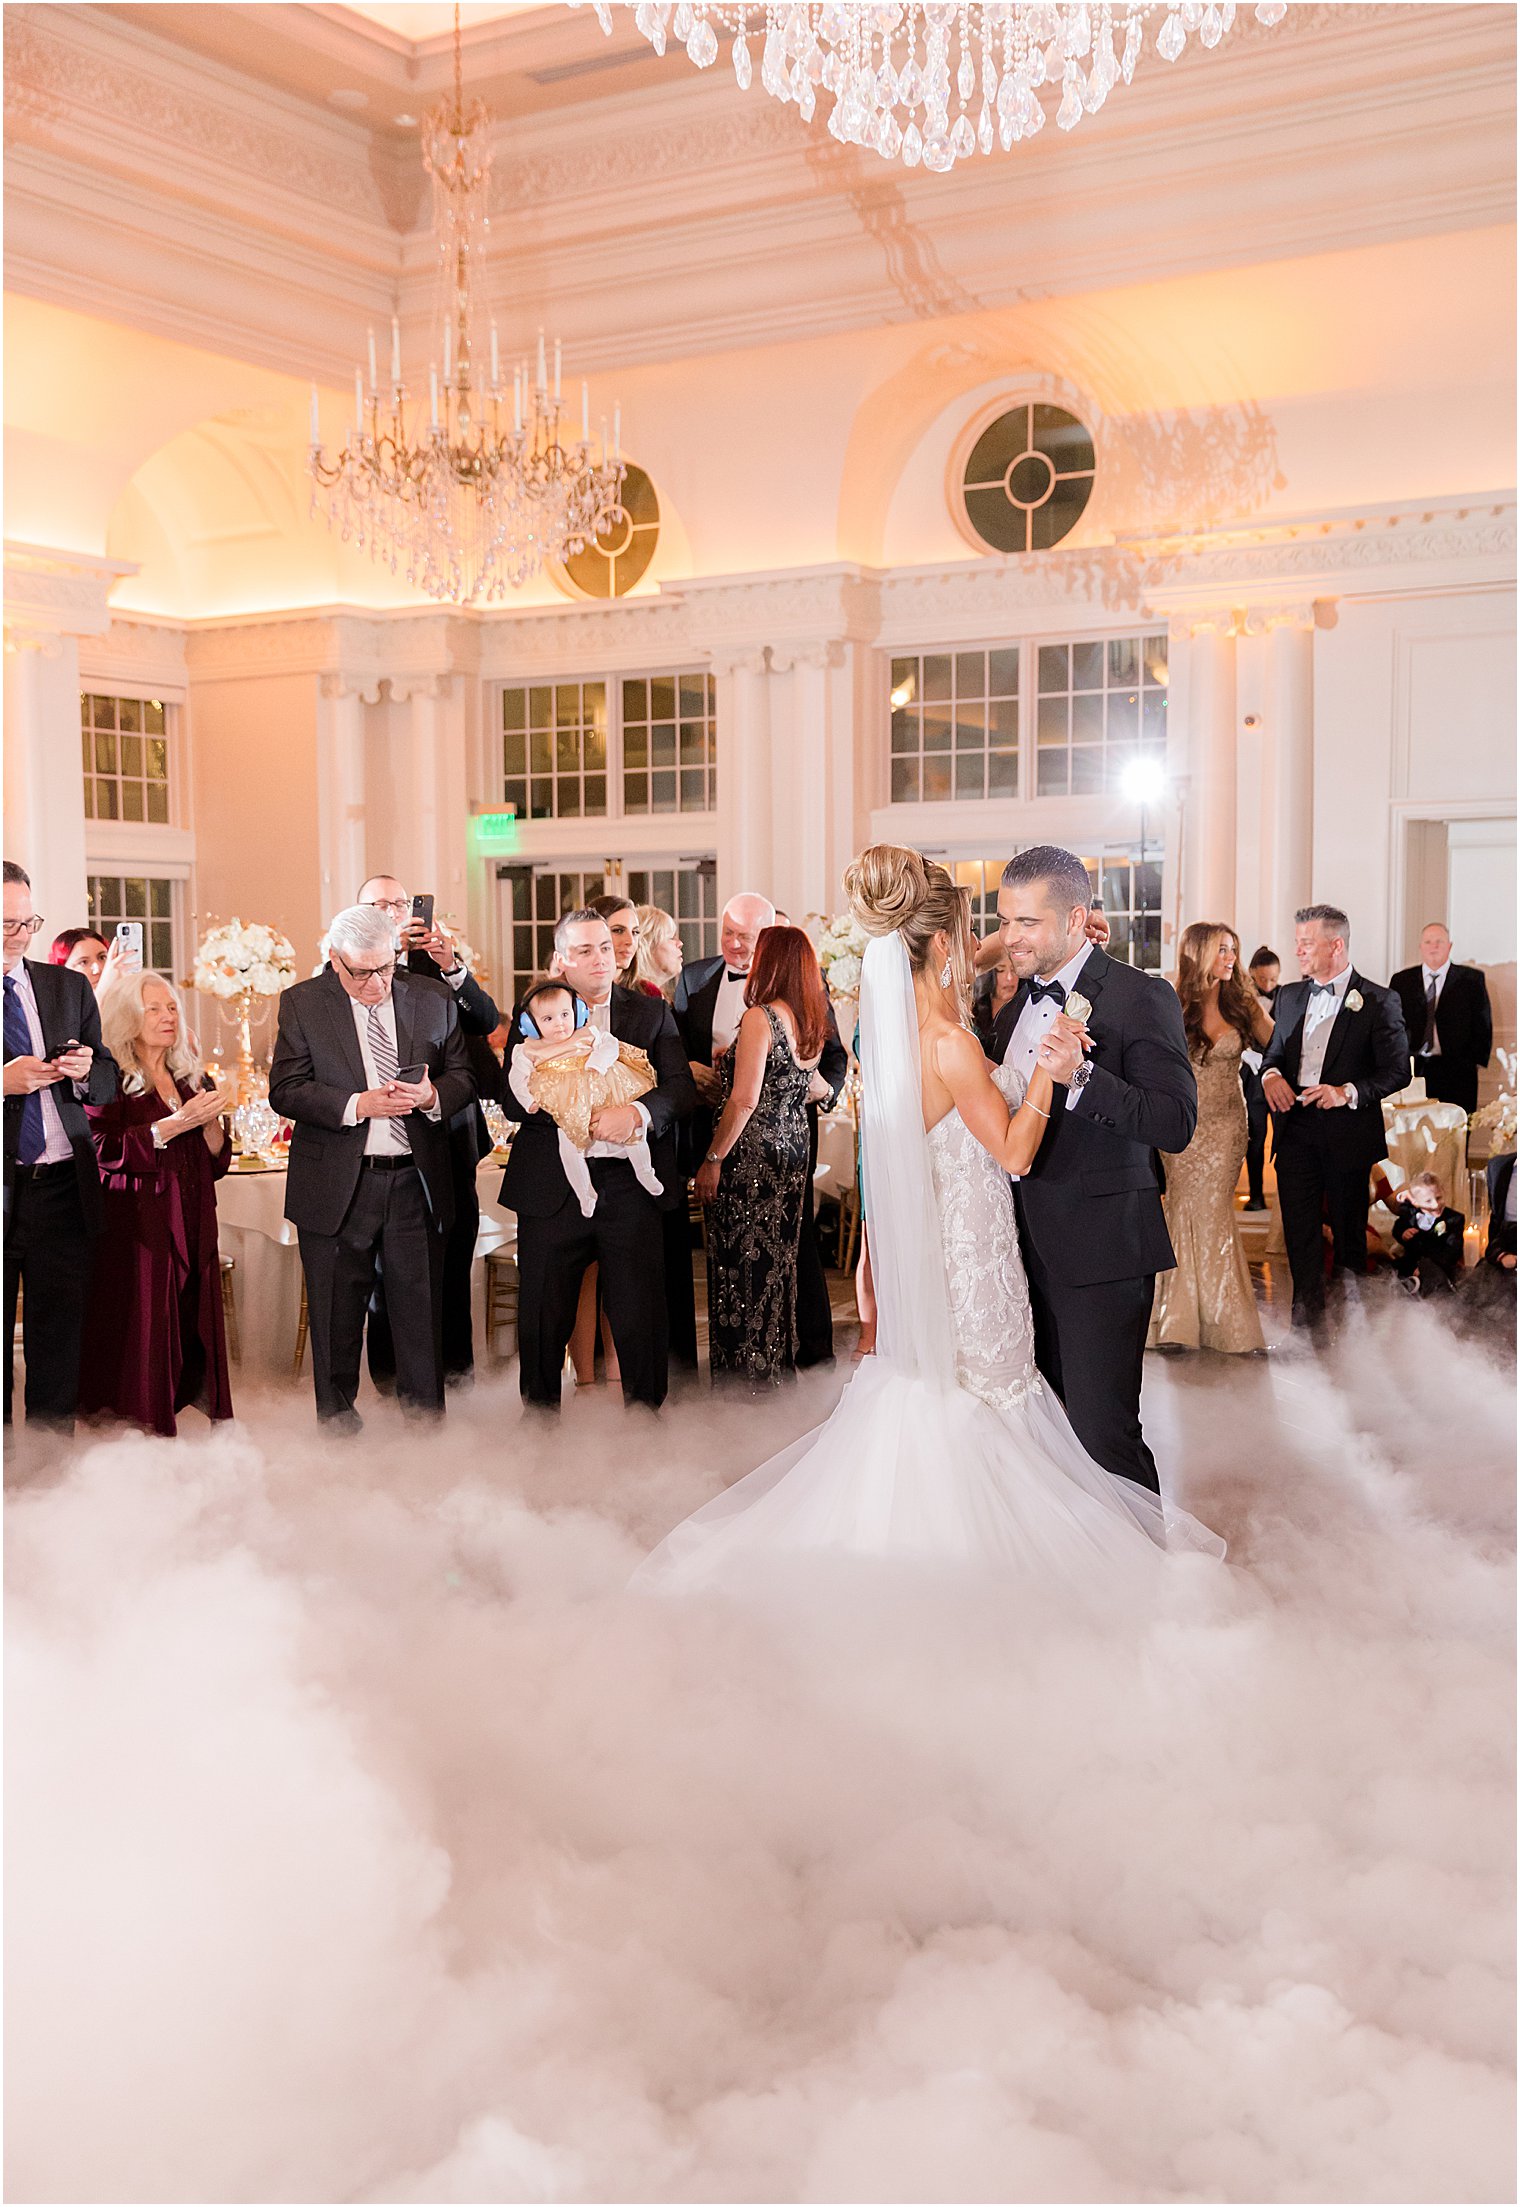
column 591, row 1070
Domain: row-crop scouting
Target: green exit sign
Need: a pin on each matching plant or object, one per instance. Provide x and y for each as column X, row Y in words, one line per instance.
column 496, row 830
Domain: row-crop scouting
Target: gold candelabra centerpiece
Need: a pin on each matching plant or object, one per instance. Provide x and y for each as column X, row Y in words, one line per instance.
column 473, row 493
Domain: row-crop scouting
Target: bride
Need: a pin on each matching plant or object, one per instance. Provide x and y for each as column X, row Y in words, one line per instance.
column 947, row 1446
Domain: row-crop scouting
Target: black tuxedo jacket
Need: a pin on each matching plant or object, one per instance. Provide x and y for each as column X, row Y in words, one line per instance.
column 533, row 1183
column 1367, row 1046
column 469, row 1135
column 1444, row 1249
column 66, row 1007
column 318, row 1066
column 1090, row 1204
column 1464, row 1017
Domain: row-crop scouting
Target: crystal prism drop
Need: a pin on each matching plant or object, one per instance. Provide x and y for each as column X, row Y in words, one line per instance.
column 1271, row 11
column 965, row 77
column 984, row 130
column 702, row 46
column 963, row 139
column 912, row 146
column 1211, row 29
column 684, row 22
column 1069, row 113
column 1171, row 38
column 744, row 68
column 910, row 83
column 937, row 153
column 1132, row 39
column 889, row 138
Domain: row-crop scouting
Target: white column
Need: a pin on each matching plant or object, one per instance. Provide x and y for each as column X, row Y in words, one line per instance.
column 342, row 854
column 744, row 773
column 435, row 841
column 809, row 716
column 1209, row 883
column 1290, row 750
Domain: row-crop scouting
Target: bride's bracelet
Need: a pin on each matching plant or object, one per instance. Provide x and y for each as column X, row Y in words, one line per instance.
column 1039, row 1114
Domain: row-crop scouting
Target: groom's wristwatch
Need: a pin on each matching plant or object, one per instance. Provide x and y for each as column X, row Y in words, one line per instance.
column 1080, row 1077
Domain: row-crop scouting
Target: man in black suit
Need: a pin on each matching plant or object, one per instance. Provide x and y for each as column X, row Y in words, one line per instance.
column 370, row 1177
column 709, row 1004
column 431, row 956
column 1090, row 1219
column 1499, row 1251
column 1337, row 1049
column 1448, row 1018
column 623, row 1237
column 55, row 1063
column 1265, row 974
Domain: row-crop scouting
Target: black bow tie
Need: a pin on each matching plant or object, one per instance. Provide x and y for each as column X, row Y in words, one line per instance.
column 730, row 975
column 1322, row 988
column 1039, row 990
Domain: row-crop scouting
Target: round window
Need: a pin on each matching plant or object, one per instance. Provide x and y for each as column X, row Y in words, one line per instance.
column 613, row 562
column 1028, row 479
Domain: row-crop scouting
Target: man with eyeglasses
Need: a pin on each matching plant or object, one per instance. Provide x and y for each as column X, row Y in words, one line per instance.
column 55, row 1063
column 370, row 1066
column 431, row 955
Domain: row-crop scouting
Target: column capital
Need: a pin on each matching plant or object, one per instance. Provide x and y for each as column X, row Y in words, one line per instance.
column 50, row 596
column 825, row 652
column 348, row 683
column 737, row 659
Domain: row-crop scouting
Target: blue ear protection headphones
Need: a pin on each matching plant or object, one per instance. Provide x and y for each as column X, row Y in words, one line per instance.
column 527, row 1026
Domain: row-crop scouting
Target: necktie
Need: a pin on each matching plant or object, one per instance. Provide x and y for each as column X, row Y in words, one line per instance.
column 18, row 1044
column 1039, row 990
column 387, row 1065
column 1428, row 1045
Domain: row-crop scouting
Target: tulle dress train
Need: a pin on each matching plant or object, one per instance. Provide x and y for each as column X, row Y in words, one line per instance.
column 947, row 1449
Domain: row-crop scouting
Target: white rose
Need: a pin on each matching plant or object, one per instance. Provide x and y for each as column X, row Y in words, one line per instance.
column 844, row 975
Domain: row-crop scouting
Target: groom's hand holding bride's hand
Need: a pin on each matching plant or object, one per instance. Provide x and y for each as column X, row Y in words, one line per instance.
column 1061, row 1048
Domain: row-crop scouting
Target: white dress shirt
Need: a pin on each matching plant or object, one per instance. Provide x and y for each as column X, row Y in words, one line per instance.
column 1439, row 978
column 381, row 1138
column 728, row 1010
column 1318, row 1020
column 57, row 1149
column 1035, row 1020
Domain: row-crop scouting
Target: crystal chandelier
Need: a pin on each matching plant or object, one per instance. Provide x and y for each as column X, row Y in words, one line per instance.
column 475, row 491
column 935, row 81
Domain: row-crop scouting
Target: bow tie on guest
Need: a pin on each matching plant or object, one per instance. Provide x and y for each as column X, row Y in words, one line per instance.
column 1322, row 988
column 1039, row 990
column 730, row 975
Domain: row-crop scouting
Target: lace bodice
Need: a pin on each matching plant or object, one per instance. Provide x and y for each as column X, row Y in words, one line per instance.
column 990, row 1318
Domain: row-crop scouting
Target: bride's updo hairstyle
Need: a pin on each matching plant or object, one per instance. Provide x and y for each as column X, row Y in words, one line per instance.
column 893, row 891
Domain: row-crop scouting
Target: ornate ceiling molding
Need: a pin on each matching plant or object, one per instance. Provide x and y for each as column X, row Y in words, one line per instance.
column 51, row 596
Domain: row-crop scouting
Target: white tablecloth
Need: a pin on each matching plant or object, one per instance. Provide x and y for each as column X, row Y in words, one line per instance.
column 266, row 1286
column 835, row 1175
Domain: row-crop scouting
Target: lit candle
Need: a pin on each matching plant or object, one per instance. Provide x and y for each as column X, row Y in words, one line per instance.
column 585, row 413
column 617, row 432
column 448, row 352
column 396, row 351
column 517, row 400
column 604, row 440
column 316, row 426
column 495, row 360
column 374, row 376
column 433, row 391
column 556, row 370
column 543, row 377
column 359, row 396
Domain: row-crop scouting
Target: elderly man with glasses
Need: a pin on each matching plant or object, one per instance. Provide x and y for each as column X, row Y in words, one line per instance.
column 370, row 1066
column 55, row 1063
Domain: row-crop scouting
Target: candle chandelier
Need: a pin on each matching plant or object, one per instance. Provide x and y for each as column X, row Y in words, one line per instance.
column 473, row 491
column 936, row 81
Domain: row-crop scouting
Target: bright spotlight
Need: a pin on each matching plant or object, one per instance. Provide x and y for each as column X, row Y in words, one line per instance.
column 1143, row 781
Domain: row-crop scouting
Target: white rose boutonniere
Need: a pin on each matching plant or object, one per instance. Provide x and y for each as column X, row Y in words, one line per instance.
column 1440, row 1225
column 1353, row 1000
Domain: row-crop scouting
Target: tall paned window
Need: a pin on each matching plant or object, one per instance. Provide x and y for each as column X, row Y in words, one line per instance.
column 124, row 742
column 670, row 744
column 688, row 891
column 145, row 897
column 554, row 750
column 1101, row 708
column 955, row 725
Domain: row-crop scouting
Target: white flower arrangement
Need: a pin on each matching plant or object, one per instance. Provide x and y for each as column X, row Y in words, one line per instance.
column 234, row 958
column 841, row 946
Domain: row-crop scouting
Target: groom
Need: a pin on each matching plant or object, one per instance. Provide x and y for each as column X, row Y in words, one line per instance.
column 1090, row 1219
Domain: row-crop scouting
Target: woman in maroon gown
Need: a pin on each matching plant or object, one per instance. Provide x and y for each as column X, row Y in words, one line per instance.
column 154, row 1341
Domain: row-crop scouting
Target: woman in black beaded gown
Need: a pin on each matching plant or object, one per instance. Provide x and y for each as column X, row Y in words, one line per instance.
column 754, row 1176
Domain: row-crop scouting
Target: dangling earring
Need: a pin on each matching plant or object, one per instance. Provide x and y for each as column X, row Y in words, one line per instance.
column 944, row 979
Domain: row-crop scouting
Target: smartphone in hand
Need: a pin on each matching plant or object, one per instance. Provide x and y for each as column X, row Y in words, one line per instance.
column 129, row 944
column 413, row 1075
column 422, row 909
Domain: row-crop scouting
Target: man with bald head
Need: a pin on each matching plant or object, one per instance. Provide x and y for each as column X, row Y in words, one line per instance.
column 1448, row 1017
column 709, row 1004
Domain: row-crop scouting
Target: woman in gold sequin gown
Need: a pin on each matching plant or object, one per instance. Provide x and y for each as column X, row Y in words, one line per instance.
column 1207, row 1301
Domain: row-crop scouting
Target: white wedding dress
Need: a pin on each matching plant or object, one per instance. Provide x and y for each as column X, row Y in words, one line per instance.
column 947, row 1448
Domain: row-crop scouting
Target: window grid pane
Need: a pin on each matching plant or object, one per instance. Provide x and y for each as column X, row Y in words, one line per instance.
column 554, row 750
column 540, row 895
column 688, row 891
column 1129, row 891
column 1101, row 710
column 955, row 725
column 144, row 897
column 124, row 753
column 670, row 745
